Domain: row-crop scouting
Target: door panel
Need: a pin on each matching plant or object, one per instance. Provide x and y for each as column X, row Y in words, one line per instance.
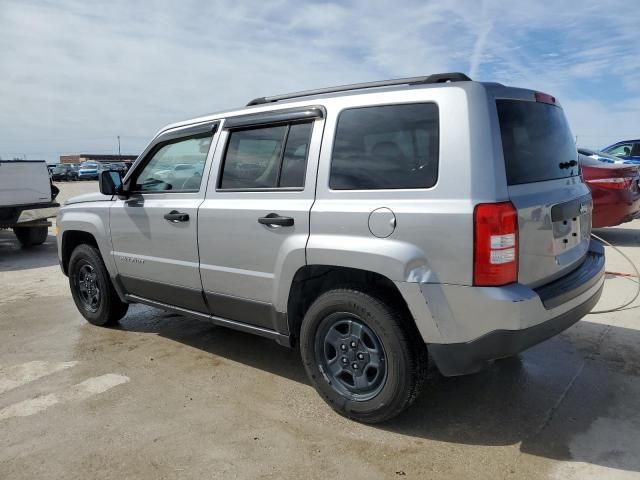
column 247, row 266
column 147, row 247
column 239, row 256
column 154, row 232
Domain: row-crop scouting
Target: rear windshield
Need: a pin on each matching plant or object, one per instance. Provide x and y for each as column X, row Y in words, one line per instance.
column 536, row 141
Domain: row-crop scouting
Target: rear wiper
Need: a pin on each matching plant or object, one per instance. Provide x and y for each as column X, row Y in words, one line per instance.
column 569, row 164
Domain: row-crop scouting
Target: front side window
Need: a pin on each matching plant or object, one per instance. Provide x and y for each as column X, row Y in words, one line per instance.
column 266, row 157
column 386, row 147
column 176, row 167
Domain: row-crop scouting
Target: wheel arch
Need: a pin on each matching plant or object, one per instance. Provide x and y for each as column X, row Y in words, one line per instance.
column 311, row 281
column 70, row 240
column 88, row 225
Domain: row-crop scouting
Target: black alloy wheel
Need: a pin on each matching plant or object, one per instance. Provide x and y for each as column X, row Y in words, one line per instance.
column 86, row 282
column 351, row 355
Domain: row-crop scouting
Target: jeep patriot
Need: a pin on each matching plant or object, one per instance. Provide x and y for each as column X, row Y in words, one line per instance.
column 368, row 223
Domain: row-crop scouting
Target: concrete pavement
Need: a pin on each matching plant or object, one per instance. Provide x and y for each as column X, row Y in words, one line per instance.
column 163, row 396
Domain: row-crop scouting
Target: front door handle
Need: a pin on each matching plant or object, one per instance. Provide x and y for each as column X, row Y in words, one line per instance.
column 273, row 219
column 175, row 216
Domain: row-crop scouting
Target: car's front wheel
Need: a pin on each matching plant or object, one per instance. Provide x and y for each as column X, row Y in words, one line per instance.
column 91, row 287
column 362, row 355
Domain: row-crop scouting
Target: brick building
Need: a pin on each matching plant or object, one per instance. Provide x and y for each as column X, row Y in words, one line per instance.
column 100, row 158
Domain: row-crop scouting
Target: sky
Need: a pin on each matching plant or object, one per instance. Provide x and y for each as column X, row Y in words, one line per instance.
column 76, row 74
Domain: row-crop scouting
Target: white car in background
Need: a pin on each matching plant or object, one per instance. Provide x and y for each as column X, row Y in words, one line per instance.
column 27, row 199
column 180, row 174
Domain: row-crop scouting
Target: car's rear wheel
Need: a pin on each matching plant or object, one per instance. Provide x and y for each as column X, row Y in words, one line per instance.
column 91, row 287
column 31, row 236
column 362, row 355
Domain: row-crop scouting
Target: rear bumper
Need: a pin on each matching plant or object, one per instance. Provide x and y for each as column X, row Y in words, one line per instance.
column 17, row 215
column 479, row 324
column 463, row 358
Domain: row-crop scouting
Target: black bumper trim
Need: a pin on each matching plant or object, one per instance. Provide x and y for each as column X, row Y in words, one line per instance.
column 577, row 282
column 9, row 215
column 462, row 358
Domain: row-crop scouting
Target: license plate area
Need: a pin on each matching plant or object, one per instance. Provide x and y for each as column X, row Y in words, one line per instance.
column 571, row 224
column 568, row 234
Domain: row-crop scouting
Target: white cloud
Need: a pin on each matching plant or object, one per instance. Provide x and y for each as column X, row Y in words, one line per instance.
column 76, row 74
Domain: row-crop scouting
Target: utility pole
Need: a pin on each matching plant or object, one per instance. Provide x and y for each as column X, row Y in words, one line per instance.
column 119, row 156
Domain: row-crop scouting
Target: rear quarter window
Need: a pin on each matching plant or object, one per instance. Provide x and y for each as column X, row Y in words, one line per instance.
column 386, row 147
column 536, row 142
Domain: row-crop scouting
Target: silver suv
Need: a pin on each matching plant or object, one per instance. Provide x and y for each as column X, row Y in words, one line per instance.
column 368, row 223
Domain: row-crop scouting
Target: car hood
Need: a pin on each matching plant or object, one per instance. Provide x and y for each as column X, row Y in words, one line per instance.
column 89, row 197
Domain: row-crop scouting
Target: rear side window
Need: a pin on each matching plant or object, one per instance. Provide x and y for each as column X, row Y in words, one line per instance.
column 536, row 141
column 386, row 147
column 267, row 157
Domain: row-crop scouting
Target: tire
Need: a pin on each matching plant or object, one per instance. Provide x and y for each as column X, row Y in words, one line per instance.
column 87, row 273
column 31, row 236
column 386, row 369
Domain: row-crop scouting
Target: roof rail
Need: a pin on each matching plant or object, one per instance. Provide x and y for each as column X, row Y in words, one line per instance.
column 434, row 78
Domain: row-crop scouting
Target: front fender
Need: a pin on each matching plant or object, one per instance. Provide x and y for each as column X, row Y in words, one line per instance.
column 93, row 220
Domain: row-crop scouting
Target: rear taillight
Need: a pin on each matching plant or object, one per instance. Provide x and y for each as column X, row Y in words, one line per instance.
column 617, row 183
column 495, row 244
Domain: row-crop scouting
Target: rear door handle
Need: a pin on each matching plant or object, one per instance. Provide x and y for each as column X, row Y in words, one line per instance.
column 273, row 219
column 175, row 216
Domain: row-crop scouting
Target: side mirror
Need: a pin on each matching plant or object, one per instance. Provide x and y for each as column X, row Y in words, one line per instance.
column 110, row 182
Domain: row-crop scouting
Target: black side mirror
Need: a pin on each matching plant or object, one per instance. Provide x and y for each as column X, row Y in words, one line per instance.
column 110, row 182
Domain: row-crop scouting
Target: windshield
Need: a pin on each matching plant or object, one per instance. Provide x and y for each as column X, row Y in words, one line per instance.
column 536, row 141
column 591, row 153
column 89, row 165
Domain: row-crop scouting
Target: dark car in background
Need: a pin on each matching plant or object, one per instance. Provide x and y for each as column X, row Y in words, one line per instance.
column 628, row 150
column 615, row 188
column 119, row 167
column 64, row 171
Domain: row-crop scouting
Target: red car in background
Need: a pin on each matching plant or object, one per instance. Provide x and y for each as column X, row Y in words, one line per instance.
column 615, row 189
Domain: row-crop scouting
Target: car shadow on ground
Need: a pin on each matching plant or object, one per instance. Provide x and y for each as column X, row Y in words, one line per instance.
column 255, row 351
column 13, row 257
column 547, row 400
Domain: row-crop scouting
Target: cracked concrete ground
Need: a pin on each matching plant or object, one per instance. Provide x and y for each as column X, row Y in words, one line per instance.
column 163, row 396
